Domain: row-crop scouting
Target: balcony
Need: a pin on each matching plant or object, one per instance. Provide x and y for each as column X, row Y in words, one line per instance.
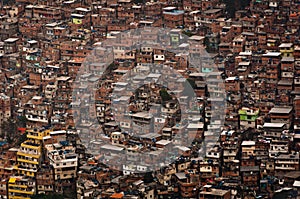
column 28, row 153
column 285, row 168
column 232, row 154
column 205, row 170
column 207, row 175
column 22, row 191
column 31, row 145
column 33, row 119
column 288, row 162
column 36, row 136
column 28, row 161
column 188, row 184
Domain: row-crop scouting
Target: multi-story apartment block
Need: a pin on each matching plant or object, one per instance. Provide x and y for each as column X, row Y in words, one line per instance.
column 274, row 130
column 254, row 52
column 30, row 154
column 187, row 183
column 287, row 162
column 286, row 49
column 45, row 179
column 64, row 160
column 8, row 27
column 64, row 163
column 5, row 108
column 37, row 112
column 172, row 17
column 248, row 117
column 209, row 192
column 21, row 187
column 282, row 115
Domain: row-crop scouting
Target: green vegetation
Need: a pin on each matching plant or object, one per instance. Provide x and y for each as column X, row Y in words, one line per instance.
column 21, row 139
column 48, row 196
column 187, row 33
column 138, row 1
column 148, row 177
column 54, row 196
column 207, row 44
column 165, row 96
column 9, row 2
column 230, row 7
column 192, row 83
column 234, row 5
column 21, row 121
column 9, row 129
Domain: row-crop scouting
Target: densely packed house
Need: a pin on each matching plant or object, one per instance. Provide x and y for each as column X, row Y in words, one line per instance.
column 246, row 99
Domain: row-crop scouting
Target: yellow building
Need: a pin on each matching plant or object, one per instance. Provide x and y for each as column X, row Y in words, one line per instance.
column 29, row 155
column 286, row 49
column 77, row 18
column 20, row 187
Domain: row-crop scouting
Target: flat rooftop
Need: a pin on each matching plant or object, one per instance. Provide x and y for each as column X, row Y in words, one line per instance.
column 281, row 110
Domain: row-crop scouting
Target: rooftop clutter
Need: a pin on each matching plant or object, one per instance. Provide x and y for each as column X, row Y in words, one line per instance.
column 255, row 54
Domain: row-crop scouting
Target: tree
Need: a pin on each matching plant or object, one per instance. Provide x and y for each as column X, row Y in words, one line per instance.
column 48, row 196
column 21, row 139
column 9, row 130
column 21, row 121
column 233, row 5
column 207, row 44
column 192, row 83
column 165, row 96
column 187, row 33
column 230, row 7
column 138, row 1
column 148, row 177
